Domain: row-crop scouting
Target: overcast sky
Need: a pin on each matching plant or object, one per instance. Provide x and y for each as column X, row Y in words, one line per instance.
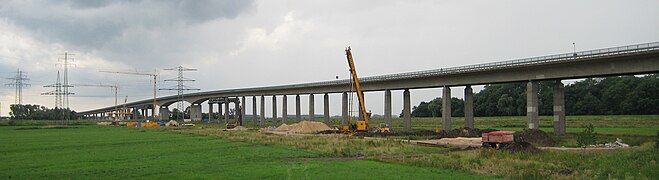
column 237, row 44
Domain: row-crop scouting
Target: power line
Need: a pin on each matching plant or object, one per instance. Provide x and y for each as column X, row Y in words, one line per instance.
column 180, row 87
column 18, row 83
column 66, row 85
column 58, row 93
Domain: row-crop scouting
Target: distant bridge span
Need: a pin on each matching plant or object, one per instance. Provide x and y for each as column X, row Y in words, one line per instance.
column 624, row 60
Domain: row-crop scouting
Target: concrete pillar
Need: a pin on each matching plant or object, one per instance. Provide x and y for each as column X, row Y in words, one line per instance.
column 344, row 108
column 407, row 110
column 387, row 107
column 164, row 113
column 446, row 108
column 326, row 108
column 559, row 108
column 254, row 115
column 242, row 109
column 262, row 122
column 210, row 112
column 135, row 114
column 469, row 107
column 274, row 110
column 284, row 109
column 532, row 104
column 220, row 112
column 226, row 110
column 195, row 112
column 298, row 112
column 237, row 111
column 312, row 113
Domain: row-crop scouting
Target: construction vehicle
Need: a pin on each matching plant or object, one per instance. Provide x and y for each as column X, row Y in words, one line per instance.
column 362, row 124
column 498, row 139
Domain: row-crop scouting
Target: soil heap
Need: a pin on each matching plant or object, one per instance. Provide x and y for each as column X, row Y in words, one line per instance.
column 304, row 127
column 536, row 137
column 522, row 147
column 463, row 132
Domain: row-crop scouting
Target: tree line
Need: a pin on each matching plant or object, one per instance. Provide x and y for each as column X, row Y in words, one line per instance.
column 37, row 112
column 621, row 95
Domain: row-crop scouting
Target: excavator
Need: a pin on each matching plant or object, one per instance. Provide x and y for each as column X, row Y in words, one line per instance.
column 362, row 124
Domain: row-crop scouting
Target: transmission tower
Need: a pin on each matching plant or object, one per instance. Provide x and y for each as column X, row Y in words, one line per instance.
column 58, row 93
column 180, row 87
column 18, row 81
column 65, row 86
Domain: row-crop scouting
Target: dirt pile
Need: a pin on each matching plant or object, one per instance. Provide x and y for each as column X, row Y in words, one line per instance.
column 302, row 127
column 397, row 133
column 536, row 137
column 463, row 132
column 522, row 147
column 283, row 127
column 238, row 128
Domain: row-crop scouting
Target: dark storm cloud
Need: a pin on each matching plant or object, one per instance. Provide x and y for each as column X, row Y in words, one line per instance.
column 92, row 24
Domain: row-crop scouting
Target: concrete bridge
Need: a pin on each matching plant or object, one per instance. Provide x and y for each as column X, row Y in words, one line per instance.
column 623, row 60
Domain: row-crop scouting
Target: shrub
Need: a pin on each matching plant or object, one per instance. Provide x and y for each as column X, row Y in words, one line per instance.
column 586, row 137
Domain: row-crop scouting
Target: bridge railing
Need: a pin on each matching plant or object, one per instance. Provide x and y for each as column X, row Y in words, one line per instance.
column 575, row 56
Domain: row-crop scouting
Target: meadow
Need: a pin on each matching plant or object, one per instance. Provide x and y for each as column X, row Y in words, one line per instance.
column 95, row 152
column 77, row 149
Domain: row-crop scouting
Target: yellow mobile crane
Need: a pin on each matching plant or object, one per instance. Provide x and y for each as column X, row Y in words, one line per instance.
column 362, row 124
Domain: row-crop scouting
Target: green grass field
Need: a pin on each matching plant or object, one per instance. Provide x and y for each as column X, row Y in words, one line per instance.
column 36, row 150
column 94, row 152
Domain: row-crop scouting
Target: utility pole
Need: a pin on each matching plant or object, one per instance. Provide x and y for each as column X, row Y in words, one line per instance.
column 115, row 89
column 155, row 81
column 18, row 81
column 180, row 87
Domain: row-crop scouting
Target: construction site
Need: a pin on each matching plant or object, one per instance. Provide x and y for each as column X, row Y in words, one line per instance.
column 329, row 90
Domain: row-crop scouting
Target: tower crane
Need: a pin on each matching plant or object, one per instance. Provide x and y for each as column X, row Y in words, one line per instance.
column 155, row 81
column 114, row 87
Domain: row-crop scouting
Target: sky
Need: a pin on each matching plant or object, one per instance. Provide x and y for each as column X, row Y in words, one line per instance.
column 255, row 43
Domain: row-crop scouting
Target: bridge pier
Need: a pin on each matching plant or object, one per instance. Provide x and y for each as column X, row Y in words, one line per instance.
column 446, row 108
column 407, row 114
column 559, row 108
column 262, row 122
column 226, row 110
column 195, row 112
column 298, row 113
column 242, row 110
column 344, row 108
column 284, row 109
column 387, row 107
column 469, row 107
column 164, row 113
column 220, row 112
column 326, row 108
column 210, row 112
column 312, row 113
column 532, row 104
column 254, row 115
column 274, row 110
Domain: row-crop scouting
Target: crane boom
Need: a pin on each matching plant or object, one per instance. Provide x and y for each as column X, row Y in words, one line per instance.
column 116, row 90
column 355, row 78
column 155, row 77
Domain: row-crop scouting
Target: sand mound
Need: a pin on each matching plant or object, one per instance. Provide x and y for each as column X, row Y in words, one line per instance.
column 304, row 127
column 238, row 128
column 283, row 127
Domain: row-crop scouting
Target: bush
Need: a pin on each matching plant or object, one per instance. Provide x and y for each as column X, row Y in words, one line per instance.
column 586, row 137
column 11, row 122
